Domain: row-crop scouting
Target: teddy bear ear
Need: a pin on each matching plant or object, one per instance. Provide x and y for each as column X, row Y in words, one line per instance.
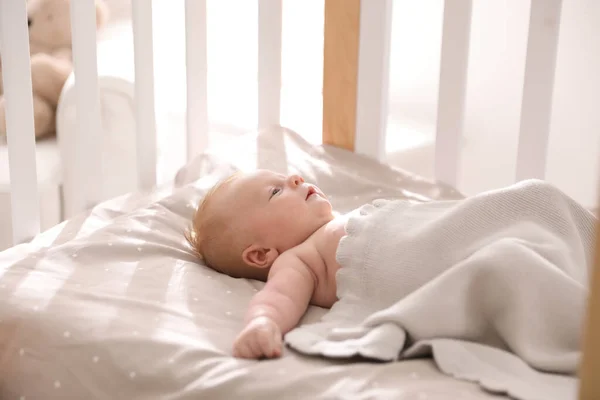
column 101, row 13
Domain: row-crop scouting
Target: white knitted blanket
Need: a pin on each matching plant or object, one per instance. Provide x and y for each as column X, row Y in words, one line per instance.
column 493, row 287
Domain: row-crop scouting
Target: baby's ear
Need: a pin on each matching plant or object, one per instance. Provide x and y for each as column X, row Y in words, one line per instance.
column 259, row 257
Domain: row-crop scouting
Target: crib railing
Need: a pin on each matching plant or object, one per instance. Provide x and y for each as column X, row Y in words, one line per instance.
column 197, row 76
column 19, row 119
column 88, row 174
column 144, row 93
column 355, row 92
column 355, row 89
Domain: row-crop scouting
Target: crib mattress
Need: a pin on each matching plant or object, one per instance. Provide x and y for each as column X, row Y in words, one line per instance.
column 113, row 305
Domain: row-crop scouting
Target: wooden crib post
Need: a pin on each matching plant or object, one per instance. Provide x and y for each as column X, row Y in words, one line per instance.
column 590, row 365
column 340, row 72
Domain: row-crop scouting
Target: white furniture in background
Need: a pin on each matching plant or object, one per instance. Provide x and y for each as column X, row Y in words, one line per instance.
column 116, row 94
column 48, row 175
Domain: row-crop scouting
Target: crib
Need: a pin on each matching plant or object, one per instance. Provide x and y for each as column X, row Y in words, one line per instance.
column 112, row 304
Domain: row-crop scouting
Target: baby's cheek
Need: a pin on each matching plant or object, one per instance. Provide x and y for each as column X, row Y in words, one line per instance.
column 263, row 227
column 293, row 223
column 291, row 220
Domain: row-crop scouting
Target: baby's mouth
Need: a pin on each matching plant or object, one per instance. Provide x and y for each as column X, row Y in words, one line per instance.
column 311, row 191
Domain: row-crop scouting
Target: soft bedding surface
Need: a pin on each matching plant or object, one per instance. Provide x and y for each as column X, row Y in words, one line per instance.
column 113, row 305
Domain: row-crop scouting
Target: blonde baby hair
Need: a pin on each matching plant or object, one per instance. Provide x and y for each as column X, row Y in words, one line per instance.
column 217, row 240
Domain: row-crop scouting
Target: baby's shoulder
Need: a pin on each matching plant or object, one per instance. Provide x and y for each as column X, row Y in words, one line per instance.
column 328, row 236
column 333, row 230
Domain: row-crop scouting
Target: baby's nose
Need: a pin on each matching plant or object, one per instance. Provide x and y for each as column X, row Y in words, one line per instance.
column 295, row 180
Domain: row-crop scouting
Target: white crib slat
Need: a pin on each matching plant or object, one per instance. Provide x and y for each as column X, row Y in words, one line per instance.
column 373, row 77
column 269, row 62
column 16, row 75
column 144, row 93
column 536, row 107
column 85, row 183
column 452, row 89
column 196, row 76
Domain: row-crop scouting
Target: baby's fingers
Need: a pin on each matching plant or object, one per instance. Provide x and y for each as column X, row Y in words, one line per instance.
column 244, row 347
column 249, row 347
column 278, row 345
column 270, row 343
column 242, row 350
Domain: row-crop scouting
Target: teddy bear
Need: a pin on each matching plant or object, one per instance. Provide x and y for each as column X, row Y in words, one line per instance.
column 51, row 59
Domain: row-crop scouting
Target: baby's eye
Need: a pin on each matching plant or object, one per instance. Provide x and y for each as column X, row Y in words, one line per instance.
column 274, row 191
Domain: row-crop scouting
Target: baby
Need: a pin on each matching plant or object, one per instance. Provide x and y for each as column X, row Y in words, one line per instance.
column 277, row 229
column 507, row 269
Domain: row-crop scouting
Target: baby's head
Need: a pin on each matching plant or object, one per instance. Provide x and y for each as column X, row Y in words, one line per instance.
column 245, row 222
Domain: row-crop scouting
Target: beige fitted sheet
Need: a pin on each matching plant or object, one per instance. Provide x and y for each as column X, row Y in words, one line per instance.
column 112, row 304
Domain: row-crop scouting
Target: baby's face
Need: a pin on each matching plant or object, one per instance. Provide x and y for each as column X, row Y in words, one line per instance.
column 281, row 211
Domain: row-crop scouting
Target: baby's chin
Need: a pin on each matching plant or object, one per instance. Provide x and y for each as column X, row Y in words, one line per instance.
column 330, row 210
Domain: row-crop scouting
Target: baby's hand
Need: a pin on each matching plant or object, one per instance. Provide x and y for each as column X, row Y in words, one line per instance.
column 260, row 338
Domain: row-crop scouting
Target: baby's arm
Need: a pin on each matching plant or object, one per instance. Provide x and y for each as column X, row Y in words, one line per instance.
column 277, row 308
